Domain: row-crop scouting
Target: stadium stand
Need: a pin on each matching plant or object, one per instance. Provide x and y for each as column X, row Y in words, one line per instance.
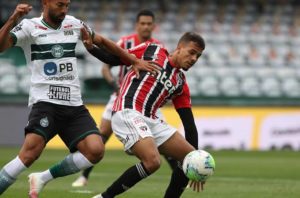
column 252, row 46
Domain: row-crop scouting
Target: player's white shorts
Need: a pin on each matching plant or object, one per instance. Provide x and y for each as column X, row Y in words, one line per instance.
column 130, row 126
column 108, row 108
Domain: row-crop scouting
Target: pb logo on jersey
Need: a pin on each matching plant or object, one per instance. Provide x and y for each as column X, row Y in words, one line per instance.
column 57, row 51
column 50, row 69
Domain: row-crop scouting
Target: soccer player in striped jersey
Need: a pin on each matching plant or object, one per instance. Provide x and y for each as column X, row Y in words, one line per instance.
column 55, row 98
column 145, row 24
column 134, row 119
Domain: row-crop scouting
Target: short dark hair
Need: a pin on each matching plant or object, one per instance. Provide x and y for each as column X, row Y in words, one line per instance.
column 194, row 37
column 145, row 13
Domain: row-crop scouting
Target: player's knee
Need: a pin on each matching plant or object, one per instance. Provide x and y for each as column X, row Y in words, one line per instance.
column 30, row 154
column 95, row 153
column 152, row 164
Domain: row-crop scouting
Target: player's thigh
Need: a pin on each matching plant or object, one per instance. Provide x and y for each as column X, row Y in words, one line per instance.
column 176, row 147
column 129, row 127
column 145, row 149
column 78, row 128
column 41, row 121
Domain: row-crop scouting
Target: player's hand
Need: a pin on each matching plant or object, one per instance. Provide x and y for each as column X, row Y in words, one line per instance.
column 21, row 10
column 86, row 38
column 145, row 66
column 197, row 186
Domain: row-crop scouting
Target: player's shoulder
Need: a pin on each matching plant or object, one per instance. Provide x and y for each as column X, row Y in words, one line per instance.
column 129, row 37
column 72, row 19
column 154, row 40
column 31, row 21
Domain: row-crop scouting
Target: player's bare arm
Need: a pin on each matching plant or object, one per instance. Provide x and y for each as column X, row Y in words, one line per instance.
column 136, row 63
column 6, row 40
column 113, row 48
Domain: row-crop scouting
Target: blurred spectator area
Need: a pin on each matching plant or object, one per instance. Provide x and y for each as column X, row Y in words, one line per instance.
column 251, row 46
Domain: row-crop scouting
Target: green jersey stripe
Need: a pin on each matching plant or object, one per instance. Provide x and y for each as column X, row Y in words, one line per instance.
column 49, row 55
column 14, row 37
column 49, row 47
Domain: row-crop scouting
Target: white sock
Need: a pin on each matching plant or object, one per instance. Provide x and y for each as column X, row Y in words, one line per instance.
column 81, row 161
column 46, row 176
column 14, row 167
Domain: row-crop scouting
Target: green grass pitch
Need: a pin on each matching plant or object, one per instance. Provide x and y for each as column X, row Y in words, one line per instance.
column 238, row 174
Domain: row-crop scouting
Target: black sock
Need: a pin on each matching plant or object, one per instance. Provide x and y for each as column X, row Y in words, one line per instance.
column 86, row 172
column 128, row 179
column 172, row 162
column 177, row 184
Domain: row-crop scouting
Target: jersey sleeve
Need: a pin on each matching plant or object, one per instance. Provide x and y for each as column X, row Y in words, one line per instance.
column 184, row 99
column 21, row 33
column 89, row 29
column 137, row 51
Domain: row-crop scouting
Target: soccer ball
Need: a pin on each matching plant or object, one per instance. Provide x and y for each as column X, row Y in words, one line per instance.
column 198, row 165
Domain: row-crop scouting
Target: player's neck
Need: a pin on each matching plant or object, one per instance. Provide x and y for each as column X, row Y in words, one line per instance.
column 142, row 40
column 173, row 60
column 50, row 23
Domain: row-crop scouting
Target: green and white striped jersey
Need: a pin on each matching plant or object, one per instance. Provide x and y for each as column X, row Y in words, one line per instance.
column 50, row 54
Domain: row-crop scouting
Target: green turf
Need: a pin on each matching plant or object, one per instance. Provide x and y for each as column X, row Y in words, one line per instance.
column 238, row 175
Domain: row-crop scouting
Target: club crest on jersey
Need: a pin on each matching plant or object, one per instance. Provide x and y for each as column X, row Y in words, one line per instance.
column 57, row 51
column 44, row 122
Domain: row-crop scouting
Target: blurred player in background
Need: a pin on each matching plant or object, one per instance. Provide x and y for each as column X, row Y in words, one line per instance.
column 145, row 24
column 134, row 119
column 49, row 44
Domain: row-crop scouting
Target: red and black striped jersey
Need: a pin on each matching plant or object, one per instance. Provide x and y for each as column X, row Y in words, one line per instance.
column 149, row 92
column 127, row 42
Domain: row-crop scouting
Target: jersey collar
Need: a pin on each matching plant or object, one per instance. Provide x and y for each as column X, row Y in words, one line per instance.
column 48, row 26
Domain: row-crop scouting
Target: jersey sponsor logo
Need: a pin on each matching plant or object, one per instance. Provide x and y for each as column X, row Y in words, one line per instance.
column 68, row 32
column 163, row 79
column 57, row 51
column 59, row 93
column 61, row 78
column 68, row 26
column 17, row 28
column 51, row 69
column 40, row 27
column 44, row 122
column 42, row 35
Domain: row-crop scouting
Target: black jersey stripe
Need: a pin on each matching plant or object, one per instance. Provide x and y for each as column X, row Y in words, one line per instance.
column 50, row 47
column 132, row 90
column 157, row 91
column 49, row 55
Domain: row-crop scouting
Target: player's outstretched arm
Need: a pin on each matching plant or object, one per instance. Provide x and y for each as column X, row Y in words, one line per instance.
column 6, row 40
column 136, row 63
column 191, row 135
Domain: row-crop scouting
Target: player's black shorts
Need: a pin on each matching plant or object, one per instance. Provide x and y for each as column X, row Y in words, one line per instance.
column 72, row 124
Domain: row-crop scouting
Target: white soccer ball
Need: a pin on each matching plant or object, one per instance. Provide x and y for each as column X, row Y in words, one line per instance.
column 198, row 165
